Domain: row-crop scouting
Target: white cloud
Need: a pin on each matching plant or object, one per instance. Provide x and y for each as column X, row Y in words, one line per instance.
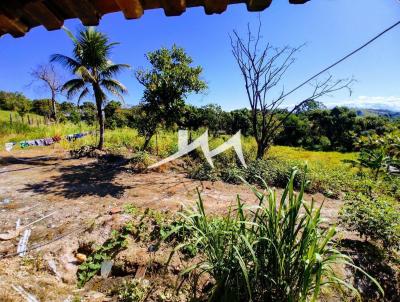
column 371, row 102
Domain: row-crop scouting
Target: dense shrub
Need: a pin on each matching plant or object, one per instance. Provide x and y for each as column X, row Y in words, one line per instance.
column 203, row 172
column 140, row 161
column 276, row 172
column 232, row 174
column 375, row 218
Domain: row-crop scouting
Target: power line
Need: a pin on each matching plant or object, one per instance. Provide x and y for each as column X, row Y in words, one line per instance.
column 343, row 59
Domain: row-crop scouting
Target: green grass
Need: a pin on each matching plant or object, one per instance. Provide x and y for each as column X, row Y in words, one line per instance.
column 19, row 131
column 5, row 117
column 329, row 159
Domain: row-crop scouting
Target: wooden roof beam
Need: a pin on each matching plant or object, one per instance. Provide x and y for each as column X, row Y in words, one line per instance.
column 15, row 27
column 257, row 5
column 174, row 7
column 40, row 12
column 298, row 1
column 215, row 7
column 132, row 9
column 85, row 11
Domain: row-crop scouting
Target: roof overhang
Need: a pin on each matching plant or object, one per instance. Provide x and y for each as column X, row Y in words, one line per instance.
column 17, row 17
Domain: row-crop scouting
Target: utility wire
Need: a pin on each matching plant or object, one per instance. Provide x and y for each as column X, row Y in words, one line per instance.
column 342, row 59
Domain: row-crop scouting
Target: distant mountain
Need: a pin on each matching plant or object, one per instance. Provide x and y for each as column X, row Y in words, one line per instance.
column 377, row 112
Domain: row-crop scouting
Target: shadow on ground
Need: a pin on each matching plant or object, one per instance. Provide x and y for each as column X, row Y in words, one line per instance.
column 90, row 179
column 369, row 258
column 31, row 161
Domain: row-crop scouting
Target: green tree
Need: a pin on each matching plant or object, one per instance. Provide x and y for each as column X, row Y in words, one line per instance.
column 68, row 111
column 310, row 105
column 294, row 131
column 94, row 70
column 88, row 112
column 115, row 115
column 15, row 101
column 166, row 84
column 241, row 120
column 42, row 107
column 212, row 117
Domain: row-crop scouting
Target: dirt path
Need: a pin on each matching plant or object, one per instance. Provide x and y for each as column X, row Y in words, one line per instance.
column 75, row 192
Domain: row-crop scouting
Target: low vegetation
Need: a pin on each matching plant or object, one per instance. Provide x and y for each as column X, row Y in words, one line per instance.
column 92, row 264
column 375, row 218
column 246, row 252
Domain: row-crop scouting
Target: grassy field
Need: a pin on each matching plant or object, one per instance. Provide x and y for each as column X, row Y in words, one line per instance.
column 328, row 158
column 19, row 131
column 163, row 144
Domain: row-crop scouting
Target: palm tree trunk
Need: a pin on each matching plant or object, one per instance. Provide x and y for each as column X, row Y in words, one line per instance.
column 101, row 124
column 100, row 116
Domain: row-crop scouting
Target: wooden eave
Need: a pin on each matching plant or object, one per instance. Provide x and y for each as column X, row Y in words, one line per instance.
column 17, row 17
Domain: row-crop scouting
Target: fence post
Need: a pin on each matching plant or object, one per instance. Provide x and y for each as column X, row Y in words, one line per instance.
column 11, row 119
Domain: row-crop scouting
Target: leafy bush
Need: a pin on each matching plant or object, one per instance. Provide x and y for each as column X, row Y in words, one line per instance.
column 133, row 291
column 177, row 232
column 275, row 251
column 140, row 161
column 92, row 265
column 375, row 218
column 276, row 172
column 203, row 172
column 232, row 174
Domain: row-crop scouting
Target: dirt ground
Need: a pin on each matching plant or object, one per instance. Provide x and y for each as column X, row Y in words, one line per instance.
column 68, row 195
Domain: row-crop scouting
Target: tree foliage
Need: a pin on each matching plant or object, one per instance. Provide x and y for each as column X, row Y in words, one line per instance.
column 169, row 81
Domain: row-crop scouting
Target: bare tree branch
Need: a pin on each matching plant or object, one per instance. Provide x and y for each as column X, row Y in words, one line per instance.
column 263, row 69
column 50, row 80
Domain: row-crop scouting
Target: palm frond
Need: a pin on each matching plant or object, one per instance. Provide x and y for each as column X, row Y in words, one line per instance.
column 84, row 93
column 70, row 34
column 72, row 87
column 66, row 61
column 85, row 74
column 112, row 70
column 115, row 87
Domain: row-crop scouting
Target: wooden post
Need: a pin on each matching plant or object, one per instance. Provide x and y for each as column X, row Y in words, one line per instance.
column 29, row 120
column 10, row 119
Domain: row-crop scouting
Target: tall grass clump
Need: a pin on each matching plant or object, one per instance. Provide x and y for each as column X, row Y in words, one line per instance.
column 273, row 251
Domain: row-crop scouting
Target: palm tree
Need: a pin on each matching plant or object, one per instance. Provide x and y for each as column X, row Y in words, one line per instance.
column 93, row 69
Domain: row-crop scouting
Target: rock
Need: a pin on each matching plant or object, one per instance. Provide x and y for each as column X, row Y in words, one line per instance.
column 95, row 297
column 80, row 257
column 7, row 247
column 9, row 235
column 119, row 221
column 68, row 265
column 114, row 211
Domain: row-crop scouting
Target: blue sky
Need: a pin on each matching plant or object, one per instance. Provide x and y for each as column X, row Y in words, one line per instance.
column 331, row 28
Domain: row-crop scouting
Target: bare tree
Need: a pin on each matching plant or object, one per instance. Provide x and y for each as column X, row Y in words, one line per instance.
column 263, row 68
column 50, row 79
